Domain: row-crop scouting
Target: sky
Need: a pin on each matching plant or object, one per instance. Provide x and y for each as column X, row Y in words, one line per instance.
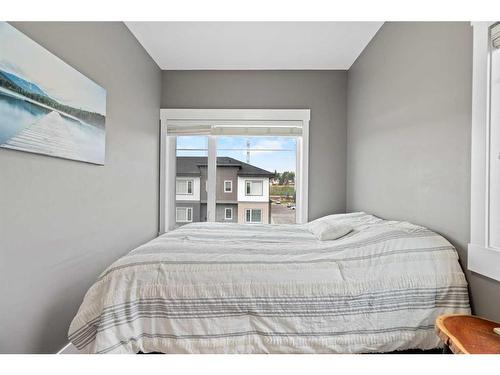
column 25, row 58
column 263, row 150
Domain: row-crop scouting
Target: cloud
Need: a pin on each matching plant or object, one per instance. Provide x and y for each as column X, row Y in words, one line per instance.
column 273, row 145
column 235, row 147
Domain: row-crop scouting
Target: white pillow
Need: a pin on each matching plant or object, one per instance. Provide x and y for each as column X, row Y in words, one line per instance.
column 324, row 230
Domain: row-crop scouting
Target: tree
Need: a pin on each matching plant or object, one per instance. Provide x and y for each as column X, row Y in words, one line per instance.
column 284, row 178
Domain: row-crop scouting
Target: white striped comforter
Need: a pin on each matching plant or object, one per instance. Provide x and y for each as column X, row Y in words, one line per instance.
column 230, row 288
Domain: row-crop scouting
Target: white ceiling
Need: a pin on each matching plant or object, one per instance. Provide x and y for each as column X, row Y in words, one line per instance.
column 254, row 45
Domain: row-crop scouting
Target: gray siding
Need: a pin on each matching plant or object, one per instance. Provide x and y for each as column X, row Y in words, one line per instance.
column 203, row 212
column 194, row 205
column 220, row 212
column 203, row 183
column 230, row 174
column 409, row 121
column 63, row 222
column 223, row 174
column 324, row 92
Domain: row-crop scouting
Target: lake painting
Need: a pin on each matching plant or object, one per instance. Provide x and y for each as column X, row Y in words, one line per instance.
column 46, row 106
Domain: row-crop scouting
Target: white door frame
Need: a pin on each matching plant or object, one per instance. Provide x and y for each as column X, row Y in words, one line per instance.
column 242, row 117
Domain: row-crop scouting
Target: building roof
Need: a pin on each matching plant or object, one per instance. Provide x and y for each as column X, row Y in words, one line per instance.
column 190, row 166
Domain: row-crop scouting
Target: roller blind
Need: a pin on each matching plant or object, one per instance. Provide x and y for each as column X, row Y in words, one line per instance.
column 251, row 128
column 495, row 35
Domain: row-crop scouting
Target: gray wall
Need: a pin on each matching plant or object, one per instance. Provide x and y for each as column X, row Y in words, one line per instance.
column 62, row 222
column 324, row 92
column 409, row 119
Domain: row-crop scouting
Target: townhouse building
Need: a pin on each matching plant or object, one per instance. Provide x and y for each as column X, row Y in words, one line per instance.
column 242, row 191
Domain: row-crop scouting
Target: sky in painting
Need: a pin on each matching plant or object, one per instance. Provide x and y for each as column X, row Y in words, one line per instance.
column 269, row 153
column 25, row 58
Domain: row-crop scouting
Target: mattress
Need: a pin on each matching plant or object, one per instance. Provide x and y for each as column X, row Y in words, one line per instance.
column 249, row 288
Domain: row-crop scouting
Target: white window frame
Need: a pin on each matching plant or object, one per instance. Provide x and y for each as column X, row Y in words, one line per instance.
column 483, row 258
column 188, row 180
column 230, row 186
column 226, row 209
column 251, row 210
column 219, row 118
column 188, row 209
column 252, row 182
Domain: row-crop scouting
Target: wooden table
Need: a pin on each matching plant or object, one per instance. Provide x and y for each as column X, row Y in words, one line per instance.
column 467, row 334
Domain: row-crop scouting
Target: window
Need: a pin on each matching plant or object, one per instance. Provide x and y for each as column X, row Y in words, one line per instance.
column 253, row 187
column 253, row 215
column 228, row 186
column 194, row 142
column 484, row 247
column 184, row 187
column 228, row 213
column 184, row 214
column 494, row 141
column 187, row 156
column 264, row 168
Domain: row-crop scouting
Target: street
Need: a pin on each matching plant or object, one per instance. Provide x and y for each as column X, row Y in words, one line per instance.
column 282, row 215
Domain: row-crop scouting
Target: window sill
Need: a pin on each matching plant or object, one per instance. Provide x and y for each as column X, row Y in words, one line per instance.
column 484, row 260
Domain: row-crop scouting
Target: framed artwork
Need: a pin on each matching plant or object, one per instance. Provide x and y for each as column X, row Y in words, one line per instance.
column 46, row 106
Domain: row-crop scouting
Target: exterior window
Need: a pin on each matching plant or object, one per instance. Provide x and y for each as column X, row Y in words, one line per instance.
column 253, row 215
column 228, row 213
column 184, row 214
column 184, row 187
column 253, row 188
column 268, row 164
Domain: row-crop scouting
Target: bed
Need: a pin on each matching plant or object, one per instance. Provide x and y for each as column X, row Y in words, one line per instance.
column 240, row 288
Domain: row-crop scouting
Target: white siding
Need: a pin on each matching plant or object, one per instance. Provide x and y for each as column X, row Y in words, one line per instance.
column 242, row 197
column 196, row 190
